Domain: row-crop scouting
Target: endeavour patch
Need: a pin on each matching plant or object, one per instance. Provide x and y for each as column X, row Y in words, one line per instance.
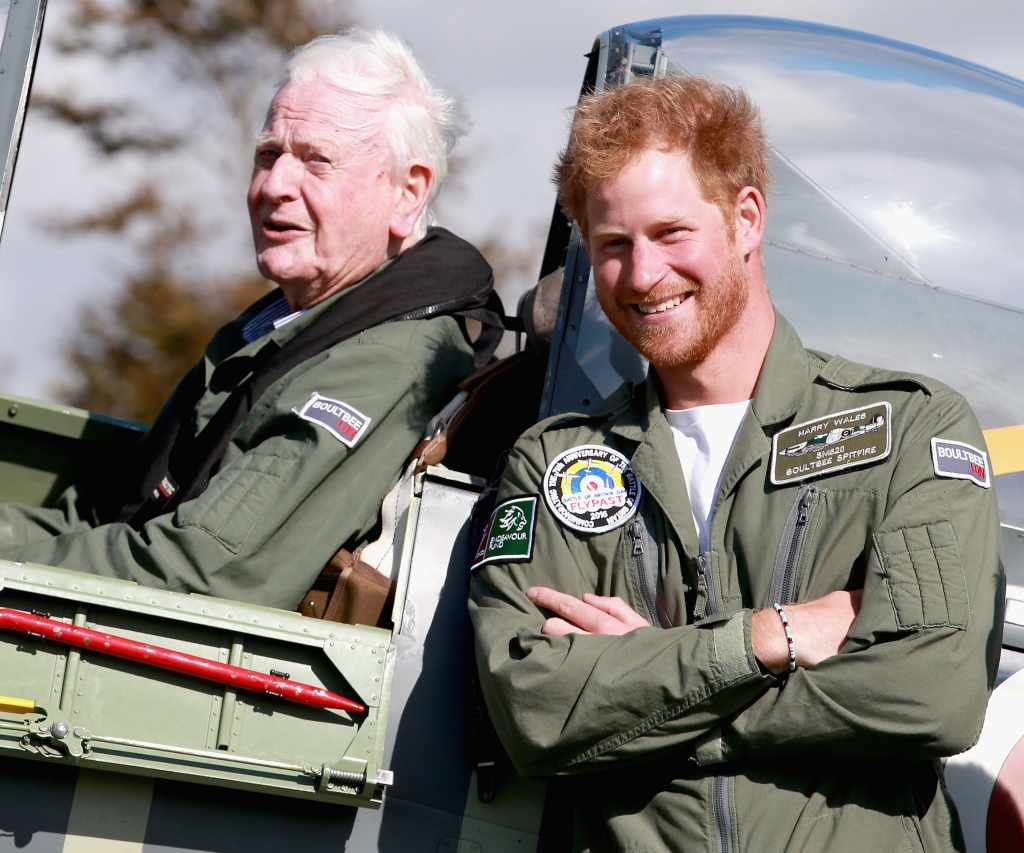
column 339, row 419
column 960, row 461
column 832, row 443
column 591, row 488
column 508, row 536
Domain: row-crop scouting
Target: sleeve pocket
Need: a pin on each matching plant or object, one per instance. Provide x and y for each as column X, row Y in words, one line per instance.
column 924, row 576
column 239, row 495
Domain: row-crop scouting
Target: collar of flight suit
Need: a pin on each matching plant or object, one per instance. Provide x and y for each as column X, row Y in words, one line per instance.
column 228, row 358
column 779, row 394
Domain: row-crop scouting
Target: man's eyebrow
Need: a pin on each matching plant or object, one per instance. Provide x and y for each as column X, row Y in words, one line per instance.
column 296, row 141
column 266, row 139
column 609, row 231
column 682, row 219
column 685, row 219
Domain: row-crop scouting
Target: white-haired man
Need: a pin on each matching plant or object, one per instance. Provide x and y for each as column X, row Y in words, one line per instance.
column 278, row 447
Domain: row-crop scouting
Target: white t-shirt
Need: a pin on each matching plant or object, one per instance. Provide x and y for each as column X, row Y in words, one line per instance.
column 704, row 435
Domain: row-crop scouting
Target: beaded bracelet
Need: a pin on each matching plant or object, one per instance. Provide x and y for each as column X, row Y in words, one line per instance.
column 789, row 636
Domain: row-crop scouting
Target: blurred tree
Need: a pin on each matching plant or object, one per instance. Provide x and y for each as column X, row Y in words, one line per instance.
column 129, row 355
column 200, row 71
column 515, row 265
column 224, row 49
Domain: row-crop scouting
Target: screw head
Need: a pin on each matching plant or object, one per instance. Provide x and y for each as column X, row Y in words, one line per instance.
column 59, row 730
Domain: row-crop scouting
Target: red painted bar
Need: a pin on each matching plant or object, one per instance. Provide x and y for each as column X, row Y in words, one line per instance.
column 222, row 673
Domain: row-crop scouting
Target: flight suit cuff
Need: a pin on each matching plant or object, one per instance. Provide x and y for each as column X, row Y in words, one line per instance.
column 734, row 654
column 735, row 661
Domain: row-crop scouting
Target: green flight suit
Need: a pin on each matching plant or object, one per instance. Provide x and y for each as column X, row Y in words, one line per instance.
column 288, row 492
column 683, row 741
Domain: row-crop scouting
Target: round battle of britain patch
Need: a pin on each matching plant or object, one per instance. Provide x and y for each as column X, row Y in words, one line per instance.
column 591, row 488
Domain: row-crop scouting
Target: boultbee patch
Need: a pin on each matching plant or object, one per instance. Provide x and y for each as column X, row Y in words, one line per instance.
column 591, row 488
column 508, row 536
column 344, row 422
column 961, row 461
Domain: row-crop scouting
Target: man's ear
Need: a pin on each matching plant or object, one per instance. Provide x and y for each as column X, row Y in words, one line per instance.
column 413, row 193
column 749, row 216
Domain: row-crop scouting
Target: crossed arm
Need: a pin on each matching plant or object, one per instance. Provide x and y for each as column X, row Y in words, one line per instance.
column 819, row 627
column 900, row 672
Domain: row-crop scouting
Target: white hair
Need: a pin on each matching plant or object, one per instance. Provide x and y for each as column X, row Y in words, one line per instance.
column 379, row 79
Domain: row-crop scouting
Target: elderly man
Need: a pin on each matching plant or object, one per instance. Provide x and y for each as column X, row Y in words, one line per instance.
column 278, row 447
column 751, row 602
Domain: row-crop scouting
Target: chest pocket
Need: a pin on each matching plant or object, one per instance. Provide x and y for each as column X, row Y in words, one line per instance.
column 924, row 576
column 643, row 558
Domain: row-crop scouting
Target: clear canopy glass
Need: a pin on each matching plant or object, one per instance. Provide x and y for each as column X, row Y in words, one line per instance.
column 925, row 150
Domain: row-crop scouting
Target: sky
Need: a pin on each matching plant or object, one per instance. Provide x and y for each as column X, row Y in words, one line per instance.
column 517, row 64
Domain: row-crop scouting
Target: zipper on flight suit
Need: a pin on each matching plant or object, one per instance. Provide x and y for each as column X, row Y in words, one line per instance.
column 707, row 598
column 723, row 819
column 644, row 547
column 720, row 784
column 782, row 589
column 647, row 579
column 788, row 557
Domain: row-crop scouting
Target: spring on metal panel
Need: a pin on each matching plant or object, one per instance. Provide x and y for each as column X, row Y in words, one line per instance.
column 348, row 778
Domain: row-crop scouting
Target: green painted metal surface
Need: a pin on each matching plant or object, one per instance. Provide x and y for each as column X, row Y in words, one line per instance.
column 45, row 447
column 137, row 719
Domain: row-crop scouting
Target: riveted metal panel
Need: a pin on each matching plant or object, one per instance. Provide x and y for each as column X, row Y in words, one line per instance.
column 133, row 718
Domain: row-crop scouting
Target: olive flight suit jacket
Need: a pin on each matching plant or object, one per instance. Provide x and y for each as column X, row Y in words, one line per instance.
column 684, row 740
column 289, row 492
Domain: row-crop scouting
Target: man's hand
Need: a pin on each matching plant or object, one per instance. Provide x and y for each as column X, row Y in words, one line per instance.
column 819, row 630
column 595, row 614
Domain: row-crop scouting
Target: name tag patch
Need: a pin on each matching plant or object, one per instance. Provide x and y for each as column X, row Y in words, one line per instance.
column 961, row 461
column 508, row 536
column 832, row 443
column 591, row 488
column 341, row 420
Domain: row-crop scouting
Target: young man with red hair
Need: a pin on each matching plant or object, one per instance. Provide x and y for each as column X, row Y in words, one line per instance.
column 752, row 601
